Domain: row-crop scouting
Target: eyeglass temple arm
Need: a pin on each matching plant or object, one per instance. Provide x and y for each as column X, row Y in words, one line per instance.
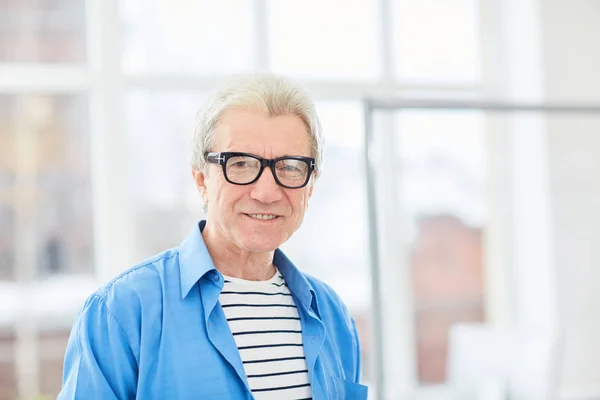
column 215, row 157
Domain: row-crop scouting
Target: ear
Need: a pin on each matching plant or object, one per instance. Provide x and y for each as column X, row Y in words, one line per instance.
column 200, row 180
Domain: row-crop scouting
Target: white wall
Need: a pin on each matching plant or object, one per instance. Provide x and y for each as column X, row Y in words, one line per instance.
column 571, row 52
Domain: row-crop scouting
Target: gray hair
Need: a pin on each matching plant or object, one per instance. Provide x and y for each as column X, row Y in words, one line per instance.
column 269, row 93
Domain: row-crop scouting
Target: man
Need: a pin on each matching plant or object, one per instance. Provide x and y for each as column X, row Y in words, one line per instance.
column 226, row 315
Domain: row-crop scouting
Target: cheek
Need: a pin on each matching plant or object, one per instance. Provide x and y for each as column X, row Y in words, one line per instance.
column 300, row 202
column 215, row 191
column 226, row 195
column 305, row 198
column 211, row 190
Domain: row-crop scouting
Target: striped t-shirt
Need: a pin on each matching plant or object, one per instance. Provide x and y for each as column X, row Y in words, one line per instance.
column 264, row 321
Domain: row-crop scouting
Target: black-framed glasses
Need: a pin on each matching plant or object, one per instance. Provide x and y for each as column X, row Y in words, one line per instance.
column 292, row 172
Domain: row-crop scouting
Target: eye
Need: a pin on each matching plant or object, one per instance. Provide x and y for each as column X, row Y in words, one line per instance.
column 241, row 162
column 290, row 168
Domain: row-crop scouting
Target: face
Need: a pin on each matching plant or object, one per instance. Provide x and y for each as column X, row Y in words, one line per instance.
column 231, row 208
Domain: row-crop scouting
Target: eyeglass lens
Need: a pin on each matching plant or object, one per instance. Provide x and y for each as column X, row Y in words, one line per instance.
column 244, row 169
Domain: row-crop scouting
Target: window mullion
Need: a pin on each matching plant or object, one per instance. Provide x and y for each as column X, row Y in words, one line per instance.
column 112, row 219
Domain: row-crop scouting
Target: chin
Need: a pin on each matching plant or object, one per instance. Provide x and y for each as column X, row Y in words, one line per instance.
column 258, row 243
column 255, row 247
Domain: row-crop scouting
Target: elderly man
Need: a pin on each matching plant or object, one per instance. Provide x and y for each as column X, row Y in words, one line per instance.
column 226, row 315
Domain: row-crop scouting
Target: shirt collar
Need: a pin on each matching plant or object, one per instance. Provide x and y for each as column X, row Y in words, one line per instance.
column 194, row 259
column 295, row 280
column 195, row 262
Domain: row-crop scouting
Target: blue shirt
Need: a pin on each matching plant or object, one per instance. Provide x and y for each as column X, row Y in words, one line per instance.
column 157, row 331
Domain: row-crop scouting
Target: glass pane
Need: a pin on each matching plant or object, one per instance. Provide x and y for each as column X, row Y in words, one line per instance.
column 339, row 248
column 51, row 376
column 7, row 370
column 46, row 195
column 447, row 54
column 188, row 36
column 443, row 192
column 46, row 227
column 322, row 39
column 7, row 243
column 52, row 346
column 162, row 190
column 524, row 181
column 42, row 31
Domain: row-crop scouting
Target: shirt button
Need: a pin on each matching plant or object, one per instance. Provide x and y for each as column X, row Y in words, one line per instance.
column 216, row 277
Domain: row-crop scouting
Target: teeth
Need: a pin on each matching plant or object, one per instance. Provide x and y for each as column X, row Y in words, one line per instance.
column 262, row 216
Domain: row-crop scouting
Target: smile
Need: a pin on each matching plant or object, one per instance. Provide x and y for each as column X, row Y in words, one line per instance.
column 263, row 217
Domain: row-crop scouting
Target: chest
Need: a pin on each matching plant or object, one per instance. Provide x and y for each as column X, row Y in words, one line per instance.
column 198, row 356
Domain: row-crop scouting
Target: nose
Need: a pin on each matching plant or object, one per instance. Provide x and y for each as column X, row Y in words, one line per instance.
column 265, row 189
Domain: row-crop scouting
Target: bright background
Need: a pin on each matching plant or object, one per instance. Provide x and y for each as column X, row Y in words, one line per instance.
column 483, row 218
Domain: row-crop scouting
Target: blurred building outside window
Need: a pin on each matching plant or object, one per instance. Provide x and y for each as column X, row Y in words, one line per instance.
column 49, row 232
column 33, row 31
column 443, row 192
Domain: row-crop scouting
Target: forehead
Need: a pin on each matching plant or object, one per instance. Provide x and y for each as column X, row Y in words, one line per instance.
column 253, row 131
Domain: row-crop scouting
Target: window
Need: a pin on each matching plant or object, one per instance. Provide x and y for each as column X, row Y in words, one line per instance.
column 436, row 41
column 441, row 156
column 7, row 372
column 7, row 271
column 48, row 232
column 30, row 32
column 302, row 36
column 335, row 230
column 49, row 197
column 59, row 212
column 190, row 36
column 161, row 187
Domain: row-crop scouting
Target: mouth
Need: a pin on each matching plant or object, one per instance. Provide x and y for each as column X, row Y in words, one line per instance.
column 263, row 217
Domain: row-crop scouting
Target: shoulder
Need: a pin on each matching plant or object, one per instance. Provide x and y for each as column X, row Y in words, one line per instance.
column 139, row 286
column 128, row 304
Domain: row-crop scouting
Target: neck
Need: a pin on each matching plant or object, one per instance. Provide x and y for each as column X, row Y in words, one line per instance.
column 232, row 261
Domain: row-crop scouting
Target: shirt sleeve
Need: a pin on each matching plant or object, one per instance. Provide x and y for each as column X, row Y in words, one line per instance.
column 99, row 362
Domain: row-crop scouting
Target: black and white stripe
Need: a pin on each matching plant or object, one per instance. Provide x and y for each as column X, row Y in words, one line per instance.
column 266, row 327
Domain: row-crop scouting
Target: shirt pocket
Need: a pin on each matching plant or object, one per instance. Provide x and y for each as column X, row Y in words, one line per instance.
column 348, row 390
